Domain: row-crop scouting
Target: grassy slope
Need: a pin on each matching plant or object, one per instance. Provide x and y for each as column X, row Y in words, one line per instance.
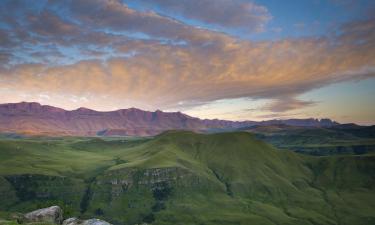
column 227, row 178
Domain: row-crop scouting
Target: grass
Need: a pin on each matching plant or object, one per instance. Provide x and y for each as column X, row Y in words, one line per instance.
column 320, row 141
column 186, row 178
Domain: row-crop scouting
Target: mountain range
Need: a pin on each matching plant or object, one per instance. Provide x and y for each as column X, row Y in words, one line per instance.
column 32, row 118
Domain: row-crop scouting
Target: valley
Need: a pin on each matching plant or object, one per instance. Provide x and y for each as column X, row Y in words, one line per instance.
column 181, row 177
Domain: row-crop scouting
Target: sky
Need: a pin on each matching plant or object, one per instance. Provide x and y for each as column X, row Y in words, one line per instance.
column 226, row 59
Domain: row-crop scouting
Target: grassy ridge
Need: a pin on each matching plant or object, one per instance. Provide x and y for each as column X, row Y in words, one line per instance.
column 187, row 178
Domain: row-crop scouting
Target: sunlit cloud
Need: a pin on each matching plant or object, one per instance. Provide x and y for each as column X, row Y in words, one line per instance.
column 107, row 55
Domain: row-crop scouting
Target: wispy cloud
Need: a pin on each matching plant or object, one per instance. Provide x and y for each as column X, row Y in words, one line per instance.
column 286, row 104
column 231, row 14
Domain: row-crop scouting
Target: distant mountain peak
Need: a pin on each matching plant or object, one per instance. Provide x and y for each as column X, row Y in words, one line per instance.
column 24, row 104
column 83, row 109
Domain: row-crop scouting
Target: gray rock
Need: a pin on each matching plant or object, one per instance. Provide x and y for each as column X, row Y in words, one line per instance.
column 75, row 221
column 72, row 221
column 53, row 214
column 95, row 222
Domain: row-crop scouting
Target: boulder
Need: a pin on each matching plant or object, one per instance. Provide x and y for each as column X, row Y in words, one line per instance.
column 72, row 221
column 95, row 222
column 75, row 221
column 53, row 214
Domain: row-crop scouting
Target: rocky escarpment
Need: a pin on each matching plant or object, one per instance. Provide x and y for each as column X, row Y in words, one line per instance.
column 124, row 179
column 137, row 193
column 120, row 181
column 35, row 191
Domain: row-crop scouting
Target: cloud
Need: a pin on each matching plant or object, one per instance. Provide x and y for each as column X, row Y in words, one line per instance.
column 48, row 24
column 163, row 75
column 112, row 14
column 359, row 32
column 90, row 25
column 286, row 104
column 143, row 59
column 278, row 116
column 231, row 14
column 5, row 40
column 299, row 25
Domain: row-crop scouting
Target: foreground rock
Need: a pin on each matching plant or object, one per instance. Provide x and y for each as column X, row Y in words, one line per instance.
column 75, row 221
column 53, row 214
column 71, row 221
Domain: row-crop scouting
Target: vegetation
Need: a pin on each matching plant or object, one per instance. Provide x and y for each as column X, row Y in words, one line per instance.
column 319, row 141
column 185, row 178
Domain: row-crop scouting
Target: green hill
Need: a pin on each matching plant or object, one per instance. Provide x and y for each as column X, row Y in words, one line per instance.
column 186, row 178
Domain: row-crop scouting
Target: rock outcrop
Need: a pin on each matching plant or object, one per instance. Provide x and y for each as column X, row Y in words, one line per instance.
column 71, row 221
column 53, row 214
column 75, row 221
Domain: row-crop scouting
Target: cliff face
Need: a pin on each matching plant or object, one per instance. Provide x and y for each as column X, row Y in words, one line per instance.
column 128, row 194
column 36, row 119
